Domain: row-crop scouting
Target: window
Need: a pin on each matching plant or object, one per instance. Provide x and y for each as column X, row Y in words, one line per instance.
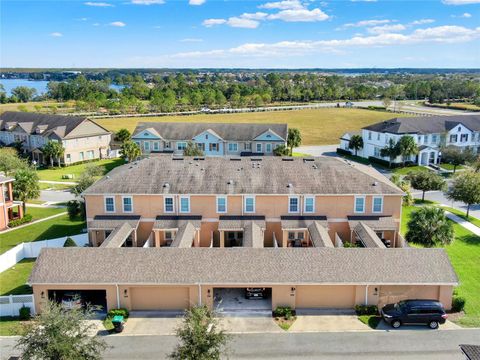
column 233, row 147
column 309, row 204
column 453, row 138
column 377, row 205
column 359, row 204
column 464, row 138
column 201, row 146
column 184, row 204
column 425, row 139
column 146, row 145
column 434, row 138
column 268, row 148
column 248, row 146
column 376, row 151
column 378, row 136
column 419, row 139
column 81, row 156
column 109, row 204
column 259, row 148
column 127, row 204
column 168, row 204
column 90, row 154
column 156, row 146
column 369, row 135
column 293, row 204
column 249, row 204
column 213, row 147
column 167, row 145
column 168, row 235
column 181, row 145
column 69, row 158
column 221, row 204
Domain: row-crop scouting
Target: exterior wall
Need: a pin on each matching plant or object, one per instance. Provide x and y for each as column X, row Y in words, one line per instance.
column 326, row 296
column 90, row 147
column 392, row 294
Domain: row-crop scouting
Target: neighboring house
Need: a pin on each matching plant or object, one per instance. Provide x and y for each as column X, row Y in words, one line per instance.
column 214, row 139
column 167, row 233
column 81, row 138
column 430, row 134
column 9, row 209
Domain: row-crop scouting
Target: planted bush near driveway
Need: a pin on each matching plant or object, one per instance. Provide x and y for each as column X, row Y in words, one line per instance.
column 366, row 309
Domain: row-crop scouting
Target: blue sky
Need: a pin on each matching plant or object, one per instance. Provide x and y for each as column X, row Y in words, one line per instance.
column 214, row 33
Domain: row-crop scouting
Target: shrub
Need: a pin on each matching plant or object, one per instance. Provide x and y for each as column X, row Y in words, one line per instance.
column 69, row 242
column 283, row 311
column 386, row 163
column 348, row 244
column 24, row 313
column 114, row 312
column 343, row 152
column 17, row 222
column 458, row 303
column 366, row 309
column 73, row 208
column 378, row 108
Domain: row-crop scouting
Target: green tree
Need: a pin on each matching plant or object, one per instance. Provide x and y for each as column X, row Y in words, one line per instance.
column 425, row 181
column 130, row 151
column 69, row 242
column 281, row 150
column 192, row 150
column 405, row 186
column 24, row 93
column 294, row 139
column 456, row 156
column 60, row 334
column 387, row 102
column 356, row 143
column 466, row 188
column 84, row 181
column 10, row 162
column 53, row 150
column 407, row 147
column 26, row 185
column 429, row 226
column 200, row 336
column 391, row 151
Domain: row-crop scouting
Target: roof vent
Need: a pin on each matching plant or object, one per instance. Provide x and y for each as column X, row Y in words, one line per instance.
column 289, row 185
column 108, row 176
column 256, row 159
column 287, row 159
column 375, row 183
column 230, row 182
column 177, row 158
column 315, row 166
column 199, row 158
column 235, row 159
column 308, row 159
column 166, row 185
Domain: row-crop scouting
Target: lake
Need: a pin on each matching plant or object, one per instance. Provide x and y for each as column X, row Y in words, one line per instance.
column 39, row 85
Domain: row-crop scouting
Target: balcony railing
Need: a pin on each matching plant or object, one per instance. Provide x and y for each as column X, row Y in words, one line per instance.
column 338, row 241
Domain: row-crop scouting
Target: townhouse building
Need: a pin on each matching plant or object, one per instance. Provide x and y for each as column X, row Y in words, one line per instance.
column 82, row 138
column 214, row 139
column 9, row 209
column 430, row 134
column 174, row 232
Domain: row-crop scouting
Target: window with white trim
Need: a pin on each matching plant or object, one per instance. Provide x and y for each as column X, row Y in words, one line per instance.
column 181, row 145
column 156, row 146
column 109, row 204
column 232, row 147
column 377, row 204
column 268, row 148
column 127, row 202
column 293, row 204
column 146, row 145
column 259, row 148
column 249, row 206
column 359, row 204
column 221, row 204
column 309, row 206
column 184, row 204
column 168, row 204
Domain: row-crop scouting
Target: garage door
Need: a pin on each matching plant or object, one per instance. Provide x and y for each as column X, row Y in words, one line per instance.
column 392, row 294
column 311, row 297
column 159, row 298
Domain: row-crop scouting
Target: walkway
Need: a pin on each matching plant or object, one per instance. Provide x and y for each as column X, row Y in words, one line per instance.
column 34, row 222
column 466, row 224
column 57, row 182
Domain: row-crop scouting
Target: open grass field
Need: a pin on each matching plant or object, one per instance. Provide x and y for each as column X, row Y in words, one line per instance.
column 55, row 174
column 317, row 126
column 464, row 253
column 30, row 106
column 40, row 213
column 49, row 229
column 12, row 281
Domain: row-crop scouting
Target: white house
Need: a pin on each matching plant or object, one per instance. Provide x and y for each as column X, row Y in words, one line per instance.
column 430, row 134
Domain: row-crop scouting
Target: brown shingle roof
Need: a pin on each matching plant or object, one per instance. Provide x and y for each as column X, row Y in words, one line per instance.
column 118, row 236
column 253, row 235
column 176, row 221
column 168, row 265
column 110, row 222
column 367, row 236
column 382, row 223
column 319, row 235
column 271, row 175
column 184, row 236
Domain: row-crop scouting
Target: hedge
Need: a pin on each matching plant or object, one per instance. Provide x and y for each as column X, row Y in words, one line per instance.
column 17, row 222
column 341, row 151
column 366, row 309
column 385, row 163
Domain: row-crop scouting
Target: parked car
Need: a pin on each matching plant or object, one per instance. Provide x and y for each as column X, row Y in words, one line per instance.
column 71, row 300
column 426, row 312
column 255, row 293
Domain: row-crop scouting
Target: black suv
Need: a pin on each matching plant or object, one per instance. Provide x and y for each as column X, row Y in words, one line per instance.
column 427, row 312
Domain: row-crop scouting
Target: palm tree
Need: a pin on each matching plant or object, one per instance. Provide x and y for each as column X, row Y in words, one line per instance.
column 356, row 143
column 53, row 150
column 407, row 147
column 294, row 139
column 429, row 226
column 130, row 150
column 390, row 151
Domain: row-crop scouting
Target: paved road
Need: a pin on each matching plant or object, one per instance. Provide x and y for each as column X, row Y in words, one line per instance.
column 56, row 196
column 399, row 344
column 440, row 197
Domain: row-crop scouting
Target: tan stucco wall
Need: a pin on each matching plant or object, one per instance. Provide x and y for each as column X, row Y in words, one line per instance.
column 326, row 296
column 392, row 294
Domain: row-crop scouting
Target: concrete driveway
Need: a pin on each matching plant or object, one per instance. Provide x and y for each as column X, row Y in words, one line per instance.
column 152, row 323
column 318, row 150
column 327, row 320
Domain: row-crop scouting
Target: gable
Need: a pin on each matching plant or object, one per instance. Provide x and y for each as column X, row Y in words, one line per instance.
column 268, row 135
column 86, row 128
column 146, row 134
column 463, row 129
column 207, row 135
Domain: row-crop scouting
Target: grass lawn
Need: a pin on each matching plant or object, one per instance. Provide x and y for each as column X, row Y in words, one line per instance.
column 40, row 213
column 450, row 167
column 463, row 215
column 317, row 126
column 49, row 229
column 61, row 107
column 464, row 253
column 12, row 281
column 370, row 320
column 10, row 326
column 407, row 169
column 55, row 174
column 45, row 186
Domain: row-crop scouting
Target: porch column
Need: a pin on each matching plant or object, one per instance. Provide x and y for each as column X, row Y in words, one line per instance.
column 156, row 238
column 222, row 238
column 93, row 238
column 134, row 238
column 20, row 211
column 197, row 238
column 284, row 238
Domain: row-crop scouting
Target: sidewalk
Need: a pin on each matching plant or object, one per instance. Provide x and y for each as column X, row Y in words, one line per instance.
column 464, row 223
column 33, row 222
column 57, row 182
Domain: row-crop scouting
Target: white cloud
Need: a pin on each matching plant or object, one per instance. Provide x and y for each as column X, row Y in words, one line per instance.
column 117, row 24
column 300, row 15
column 213, row 22
column 386, row 29
column 98, row 4
column 422, row 22
column 56, row 34
column 254, row 16
column 242, row 23
column 363, row 0
column 283, row 5
column 148, row 2
column 466, row 15
column 196, row 2
column 96, row 24
column 364, row 23
column 191, row 40
column 460, row 2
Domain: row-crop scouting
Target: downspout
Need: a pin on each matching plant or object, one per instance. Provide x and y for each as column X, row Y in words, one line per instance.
column 4, row 206
column 366, row 295
column 118, row 297
column 199, row 294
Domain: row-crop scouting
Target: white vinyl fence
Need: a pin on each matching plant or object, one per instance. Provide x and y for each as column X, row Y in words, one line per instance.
column 32, row 249
column 10, row 305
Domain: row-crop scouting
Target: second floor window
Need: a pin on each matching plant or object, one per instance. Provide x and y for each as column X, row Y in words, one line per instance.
column 453, row 138
column 359, row 204
column 110, row 204
column 127, row 204
column 434, row 139
column 293, row 204
column 249, row 204
column 184, row 204
column 377, row 204
column 464, row 138
column 309, row 204
column 221, row 204
column 168, row 202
